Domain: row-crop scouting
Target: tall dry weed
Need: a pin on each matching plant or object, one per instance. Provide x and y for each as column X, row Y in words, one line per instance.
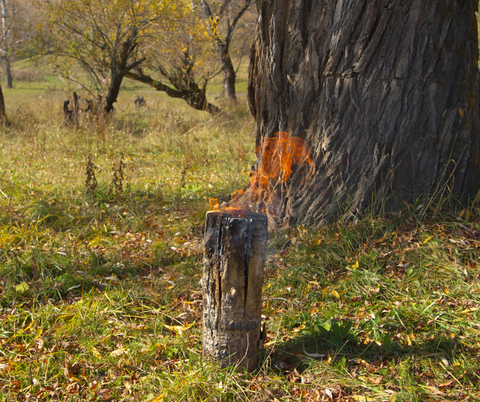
column 91, row 182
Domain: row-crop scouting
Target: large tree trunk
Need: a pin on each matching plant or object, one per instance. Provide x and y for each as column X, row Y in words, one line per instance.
column 385, row 92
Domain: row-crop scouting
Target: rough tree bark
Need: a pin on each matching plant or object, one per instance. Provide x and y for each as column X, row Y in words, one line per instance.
column 384, row 91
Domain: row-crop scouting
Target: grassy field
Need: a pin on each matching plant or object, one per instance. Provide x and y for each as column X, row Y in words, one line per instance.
column 100, row 270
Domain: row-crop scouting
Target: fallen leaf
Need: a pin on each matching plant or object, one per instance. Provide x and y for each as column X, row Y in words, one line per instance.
column 360, row 398
column 445, row 361
column 104, row 394
column 96, row 353
column 158, row 398
column 314, row 355
column 22, row 287
column 446, row 384
column 178, row 329
column 118, row 352
column 435, row 390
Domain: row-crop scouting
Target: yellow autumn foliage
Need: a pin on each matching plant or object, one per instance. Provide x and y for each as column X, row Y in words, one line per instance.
column 168, row 36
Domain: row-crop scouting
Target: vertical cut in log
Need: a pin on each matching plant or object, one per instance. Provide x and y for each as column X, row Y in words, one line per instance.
column 235, row 250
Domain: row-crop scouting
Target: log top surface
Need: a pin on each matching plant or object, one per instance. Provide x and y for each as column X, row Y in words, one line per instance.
column 238, row 214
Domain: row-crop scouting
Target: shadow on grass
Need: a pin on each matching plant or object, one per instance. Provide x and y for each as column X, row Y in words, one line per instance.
column 333, row 340
column 59, row 247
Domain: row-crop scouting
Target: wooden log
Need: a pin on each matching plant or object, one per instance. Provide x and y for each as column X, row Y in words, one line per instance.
column 235, row 250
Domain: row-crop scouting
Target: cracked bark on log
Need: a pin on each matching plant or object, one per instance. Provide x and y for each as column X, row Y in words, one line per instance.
column 232, row 288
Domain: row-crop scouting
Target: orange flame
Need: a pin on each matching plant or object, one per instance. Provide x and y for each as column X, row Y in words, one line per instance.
column 279, row 155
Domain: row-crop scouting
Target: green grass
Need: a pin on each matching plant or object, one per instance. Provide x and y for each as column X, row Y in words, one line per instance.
column 100, row 296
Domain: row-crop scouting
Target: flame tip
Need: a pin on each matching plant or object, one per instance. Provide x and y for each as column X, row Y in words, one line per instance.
column 277, row 158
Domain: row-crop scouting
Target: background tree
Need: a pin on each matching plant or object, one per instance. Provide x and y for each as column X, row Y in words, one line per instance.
column 223, row 18
column 4, row 48
column 6, row 34
column 110, row 40
column 9, row 13
column 384, row 92
column 15, row 18
column 179, row 60
column 102, row 37
column 3, row 114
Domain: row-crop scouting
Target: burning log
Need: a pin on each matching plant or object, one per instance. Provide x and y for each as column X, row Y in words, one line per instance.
column 235, row 243
column 235, row 249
